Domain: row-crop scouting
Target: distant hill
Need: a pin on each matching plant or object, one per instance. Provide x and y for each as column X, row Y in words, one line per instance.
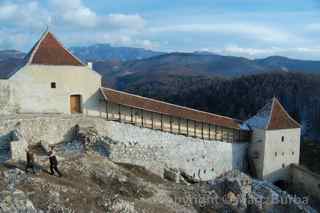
column 198, row 64
column 101, row 52
column 288, row 64
column 116, row 62
column 11, row 54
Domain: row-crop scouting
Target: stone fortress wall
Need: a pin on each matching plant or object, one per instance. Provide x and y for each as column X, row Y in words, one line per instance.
column 7, row 94
column 154, row 149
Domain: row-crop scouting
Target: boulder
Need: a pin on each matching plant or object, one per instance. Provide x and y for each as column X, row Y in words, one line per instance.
column 172, row 174
column 15, row 202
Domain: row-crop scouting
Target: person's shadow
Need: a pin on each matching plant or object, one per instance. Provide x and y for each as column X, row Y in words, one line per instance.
column 21, row 165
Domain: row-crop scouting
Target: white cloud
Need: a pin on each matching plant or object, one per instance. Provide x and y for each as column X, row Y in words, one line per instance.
column 74, row 12
column 313, row 27
column 129, row 42
column 7, row 11
column 24, row 15
column 252, row 31
column 134, row 21
column 250, row 52
column 15, row 40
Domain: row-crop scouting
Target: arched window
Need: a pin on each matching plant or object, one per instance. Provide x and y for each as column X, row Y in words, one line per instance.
column 282, row 139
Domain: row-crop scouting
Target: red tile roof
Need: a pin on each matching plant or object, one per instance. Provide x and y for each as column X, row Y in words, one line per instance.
column 273, row 116
column 49, row 51
column 156, row 106
column 280, row 119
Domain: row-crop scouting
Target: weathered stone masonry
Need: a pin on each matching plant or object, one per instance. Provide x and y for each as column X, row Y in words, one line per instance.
column 202, row 159
column 153, row 149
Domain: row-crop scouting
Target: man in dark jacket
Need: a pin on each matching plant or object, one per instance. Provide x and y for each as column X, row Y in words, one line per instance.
column 30, row 160
column 53, row 164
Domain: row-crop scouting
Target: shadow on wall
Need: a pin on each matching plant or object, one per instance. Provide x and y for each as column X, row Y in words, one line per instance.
column 95, row 103
column 5, row 153
column 70, row 134
column 239, row 156
column 278, row 175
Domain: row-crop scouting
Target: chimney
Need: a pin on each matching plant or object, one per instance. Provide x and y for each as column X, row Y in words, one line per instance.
column 90, row 65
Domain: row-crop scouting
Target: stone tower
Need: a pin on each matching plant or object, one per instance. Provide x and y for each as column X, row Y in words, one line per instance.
column 275, row 142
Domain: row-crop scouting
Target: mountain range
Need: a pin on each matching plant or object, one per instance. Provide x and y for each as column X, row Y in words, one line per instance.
column 115, row 63
column 101, row 52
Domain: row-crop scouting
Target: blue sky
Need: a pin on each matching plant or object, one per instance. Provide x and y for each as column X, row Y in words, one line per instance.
column 249, row 28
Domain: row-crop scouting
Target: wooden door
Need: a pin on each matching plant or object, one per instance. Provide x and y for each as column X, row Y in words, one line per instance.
column 75, row 103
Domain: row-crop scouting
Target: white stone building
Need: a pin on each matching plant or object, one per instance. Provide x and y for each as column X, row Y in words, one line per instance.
column 275, row 142
column 50, row 80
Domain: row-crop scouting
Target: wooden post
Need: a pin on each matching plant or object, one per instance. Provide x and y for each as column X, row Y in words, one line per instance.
column 202, row 130
column 131, row 114
column 152, row 120
column 161, row 122
column 179, row 126
column 215, row 132
column 107, row 110
column 119, row 111
column 142, row 117
column 209, row 127
column 195, row 126
column 187, row 127
column 223, row 135
column 170, row 124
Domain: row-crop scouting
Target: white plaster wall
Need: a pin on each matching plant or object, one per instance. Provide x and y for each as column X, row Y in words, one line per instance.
column 35, row 95
column 7, row 98
column 288, row 152
column 154, row 149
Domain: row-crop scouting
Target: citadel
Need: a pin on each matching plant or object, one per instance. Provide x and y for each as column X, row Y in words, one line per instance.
column 52, row 91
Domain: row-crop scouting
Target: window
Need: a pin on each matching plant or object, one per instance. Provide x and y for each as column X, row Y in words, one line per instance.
column 282, row 139
column 282, row 153
column 283, row 165
column 53, row 85
column 275, row 154
column 292, row 153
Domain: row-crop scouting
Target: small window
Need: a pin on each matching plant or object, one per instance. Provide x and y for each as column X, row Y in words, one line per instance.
column 282, row 139
column 283, row 165
column 53, row 85
column 292, row 153
column 282, row 153
column 275, row 154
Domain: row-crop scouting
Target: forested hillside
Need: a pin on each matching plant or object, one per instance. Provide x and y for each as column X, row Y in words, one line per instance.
column 239, row 97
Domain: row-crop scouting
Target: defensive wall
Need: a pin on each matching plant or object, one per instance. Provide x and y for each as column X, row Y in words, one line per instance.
column 154, row 149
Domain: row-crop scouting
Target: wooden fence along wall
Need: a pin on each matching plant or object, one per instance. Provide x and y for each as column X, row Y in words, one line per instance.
column 175, row 125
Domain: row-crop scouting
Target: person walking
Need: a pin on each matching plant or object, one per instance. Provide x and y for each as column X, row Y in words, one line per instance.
column 53, row 163
column 30, row 160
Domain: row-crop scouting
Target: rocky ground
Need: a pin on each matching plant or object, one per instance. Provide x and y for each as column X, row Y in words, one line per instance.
column 92, row 183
